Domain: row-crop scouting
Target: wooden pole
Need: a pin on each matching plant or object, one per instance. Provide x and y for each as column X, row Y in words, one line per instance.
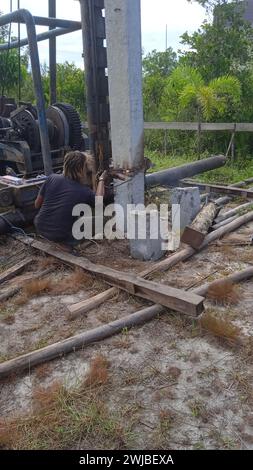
column 233, row 212
column 186, row 253
column 235, row 278
column 224, row 222
column 27, row 361
column 89, row 304
column 195, row 233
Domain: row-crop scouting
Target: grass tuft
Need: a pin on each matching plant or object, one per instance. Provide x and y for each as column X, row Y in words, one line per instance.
column 224, row 292
column 220, row 327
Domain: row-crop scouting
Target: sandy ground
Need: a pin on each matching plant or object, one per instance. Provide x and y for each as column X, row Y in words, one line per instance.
column 179, row 385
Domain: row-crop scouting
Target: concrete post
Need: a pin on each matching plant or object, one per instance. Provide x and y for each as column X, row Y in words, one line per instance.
column 124, row 53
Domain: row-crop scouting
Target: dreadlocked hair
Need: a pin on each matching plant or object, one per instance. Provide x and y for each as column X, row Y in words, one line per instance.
column 75, row 166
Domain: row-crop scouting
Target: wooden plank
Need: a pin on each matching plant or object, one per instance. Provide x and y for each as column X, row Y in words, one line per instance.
column 175, row 299
column 203, row 126
column 40, row 356
column 177, row 126
column 14, row 270
column 215, row 188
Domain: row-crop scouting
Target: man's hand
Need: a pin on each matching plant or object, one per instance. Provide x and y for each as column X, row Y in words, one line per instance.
column 104, row 176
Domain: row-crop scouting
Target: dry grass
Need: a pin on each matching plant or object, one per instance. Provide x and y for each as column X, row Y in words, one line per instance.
column 48, row 262
column 224, row 292
column 67, row 419
column 98, row 373
column 220, row 327
column 33, row 289
column 70, row 284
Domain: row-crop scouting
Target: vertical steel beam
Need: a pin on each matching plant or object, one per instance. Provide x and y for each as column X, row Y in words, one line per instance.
column 52, row 54
column 95, row 61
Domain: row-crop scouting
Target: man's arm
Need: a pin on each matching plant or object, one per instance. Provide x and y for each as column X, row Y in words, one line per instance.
column 41, row 196
column 101, row 184
column 38, row 202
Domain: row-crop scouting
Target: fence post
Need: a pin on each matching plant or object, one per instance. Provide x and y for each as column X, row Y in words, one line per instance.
column 199, row 139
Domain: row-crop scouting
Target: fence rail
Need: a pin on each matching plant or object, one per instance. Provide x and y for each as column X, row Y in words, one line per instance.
column 202, row 126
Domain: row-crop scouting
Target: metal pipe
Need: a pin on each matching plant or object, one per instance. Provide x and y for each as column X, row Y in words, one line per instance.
column 53, row 22
column 40, row 37
column 171, row 176
column 52, row 54
column 25, row 15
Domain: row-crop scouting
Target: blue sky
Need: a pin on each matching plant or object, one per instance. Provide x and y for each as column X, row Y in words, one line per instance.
column 178, row 15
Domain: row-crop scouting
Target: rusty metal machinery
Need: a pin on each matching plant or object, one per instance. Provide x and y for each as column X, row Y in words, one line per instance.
column 20, row 144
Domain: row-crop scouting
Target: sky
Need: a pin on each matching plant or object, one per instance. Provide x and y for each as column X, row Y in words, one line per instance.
column 178, row 15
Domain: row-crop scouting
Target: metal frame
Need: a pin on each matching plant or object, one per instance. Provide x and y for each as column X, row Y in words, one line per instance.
column 61, row 27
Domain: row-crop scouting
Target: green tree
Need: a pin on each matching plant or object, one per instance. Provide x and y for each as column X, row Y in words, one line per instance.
column 159, row 63
column 70, row 86
column 187, row 96
column 223, row 46
column 8, row 63
column 157, row 67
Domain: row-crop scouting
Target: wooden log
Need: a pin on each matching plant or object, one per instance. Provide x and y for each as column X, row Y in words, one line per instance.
column 9, row 293
column 233, row 212
column 14, row 290
column 176, row 299
column 235, row 278
column 53, row 351
column 89, row 304
column 187, row 252
column 223, row 223
column 231, row 190
column 195, row 233
column 15, row 270
column 171, row 261
column 27, row 361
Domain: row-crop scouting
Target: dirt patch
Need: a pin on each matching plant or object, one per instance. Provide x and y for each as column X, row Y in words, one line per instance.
column 171, row 383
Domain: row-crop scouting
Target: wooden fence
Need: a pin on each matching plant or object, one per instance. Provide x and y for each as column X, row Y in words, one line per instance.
column 200, row 127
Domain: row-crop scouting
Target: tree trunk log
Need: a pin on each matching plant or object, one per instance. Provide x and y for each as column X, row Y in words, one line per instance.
column 224, row 222
column 233, row 212
column 195, row 233
column 187, row 252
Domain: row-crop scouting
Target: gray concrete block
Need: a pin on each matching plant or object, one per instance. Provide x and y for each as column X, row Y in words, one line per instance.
column 146, row 243
column 189, row 201
column 186, row 205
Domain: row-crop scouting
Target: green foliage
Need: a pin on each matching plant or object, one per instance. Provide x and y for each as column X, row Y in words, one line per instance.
column 220, row 47
column 70, row 86
column 159, row 63
column 194, row 100
column 8, row 64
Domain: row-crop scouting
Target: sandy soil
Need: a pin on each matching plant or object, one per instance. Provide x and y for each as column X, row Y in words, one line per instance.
column 181, row 386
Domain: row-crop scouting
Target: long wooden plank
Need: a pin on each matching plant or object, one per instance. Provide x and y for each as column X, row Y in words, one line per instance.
column 175, row 299
column 14, row 270
column 216, row 188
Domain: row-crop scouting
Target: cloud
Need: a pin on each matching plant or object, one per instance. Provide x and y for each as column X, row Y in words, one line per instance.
column 178, row 15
